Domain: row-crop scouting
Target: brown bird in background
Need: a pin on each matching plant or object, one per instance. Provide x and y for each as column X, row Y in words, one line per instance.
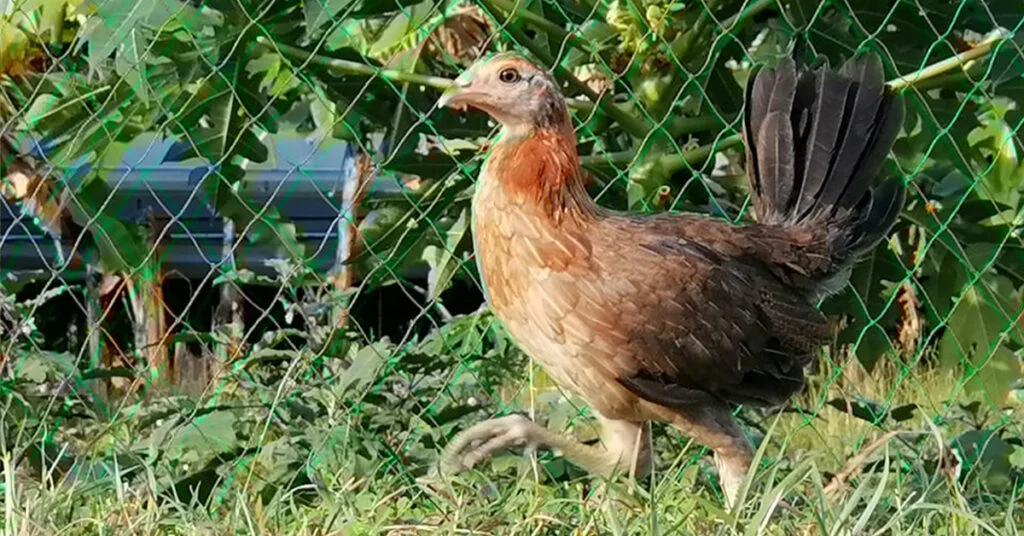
column 23, row 181
column 674, row 318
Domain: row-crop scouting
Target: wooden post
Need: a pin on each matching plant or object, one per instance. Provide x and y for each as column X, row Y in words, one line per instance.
column 228, row 318
column 94, row 325
column 150, row 322
column 344, row 277
column 111, row 352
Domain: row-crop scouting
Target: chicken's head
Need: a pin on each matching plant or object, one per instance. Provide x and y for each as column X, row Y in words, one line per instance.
column 515, row 92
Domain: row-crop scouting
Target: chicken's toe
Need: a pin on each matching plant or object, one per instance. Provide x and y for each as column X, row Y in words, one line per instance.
column 487, row 438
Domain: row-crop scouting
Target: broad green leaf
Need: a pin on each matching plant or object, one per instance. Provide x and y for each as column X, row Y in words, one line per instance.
column 973, row 344
column 130, row 63
column 1017, row 458
column 986, row 457
column 364, row 368
column 113, row 22
column 722, row 94
column 31, row 369
column 121, row 247
column 1003, row 174
column 905, row 28
column 444, row 261
column 210, row 144
column 946, row 124
column 404, row 240
column 51, row 15
column 216, row 121
column 393, row 34
column 433, row 165
column 195, row 439
column 264, row 224
column 321, row 12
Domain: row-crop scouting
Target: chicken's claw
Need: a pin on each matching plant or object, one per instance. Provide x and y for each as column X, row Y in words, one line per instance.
column 483, row 440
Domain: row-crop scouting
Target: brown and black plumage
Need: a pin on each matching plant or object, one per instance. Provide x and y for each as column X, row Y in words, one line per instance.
column 675, row 317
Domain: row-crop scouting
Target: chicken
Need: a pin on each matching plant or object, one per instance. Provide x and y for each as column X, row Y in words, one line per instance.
column 676, row 318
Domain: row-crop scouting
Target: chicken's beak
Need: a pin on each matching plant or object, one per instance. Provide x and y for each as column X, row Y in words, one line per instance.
column 455, row 95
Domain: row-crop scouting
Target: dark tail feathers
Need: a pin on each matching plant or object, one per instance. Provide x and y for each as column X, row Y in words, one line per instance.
column 815, row 142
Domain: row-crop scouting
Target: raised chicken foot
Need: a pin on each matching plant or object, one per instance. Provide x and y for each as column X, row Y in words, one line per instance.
column 625, row 445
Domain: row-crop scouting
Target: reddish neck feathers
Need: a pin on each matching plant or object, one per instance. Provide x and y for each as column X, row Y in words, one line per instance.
column 542, row 170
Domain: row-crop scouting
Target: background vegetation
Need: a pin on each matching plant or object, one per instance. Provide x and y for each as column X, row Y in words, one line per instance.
column 307, row 402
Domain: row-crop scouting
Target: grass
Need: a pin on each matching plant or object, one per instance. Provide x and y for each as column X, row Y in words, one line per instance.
column 906, row 480
column 508, row 504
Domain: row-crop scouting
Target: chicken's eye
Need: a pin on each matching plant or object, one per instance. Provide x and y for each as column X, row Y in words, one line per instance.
column 509, row 76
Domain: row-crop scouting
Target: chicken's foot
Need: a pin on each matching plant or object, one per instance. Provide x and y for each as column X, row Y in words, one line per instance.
column 625, row 445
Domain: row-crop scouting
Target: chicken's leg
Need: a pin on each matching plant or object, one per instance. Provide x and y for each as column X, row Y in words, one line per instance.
column 625, row 445
column 716, row 428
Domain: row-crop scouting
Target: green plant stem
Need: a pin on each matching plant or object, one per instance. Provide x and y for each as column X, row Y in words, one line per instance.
column 681, row 126
column 438, row 82
column 671, row 162
column 947, row 65
column 548, row 27
column 354, row 67
column 744, row 14
column 681, row 47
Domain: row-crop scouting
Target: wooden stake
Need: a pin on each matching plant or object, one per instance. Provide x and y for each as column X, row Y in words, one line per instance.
column 150, row 322
column 353, row 194
column 228, row 317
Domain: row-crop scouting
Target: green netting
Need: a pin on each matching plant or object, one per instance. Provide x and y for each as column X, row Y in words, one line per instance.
column 238, row 293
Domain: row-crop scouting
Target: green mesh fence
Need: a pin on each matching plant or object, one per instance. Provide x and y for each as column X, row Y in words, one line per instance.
column 238, row 292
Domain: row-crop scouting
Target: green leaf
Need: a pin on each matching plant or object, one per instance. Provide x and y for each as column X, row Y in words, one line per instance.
column 263, row 224
column 946, row 124
column 722, row 93
column 209, row 143
column 943, row 279
column 392, row 35
column 1017, row 458
column 906, row 28
column 444, row 260
column 31, row 369
column 403, row 240
column 364, row 369
column 50, row 12
column 217, row 123
column 113, row 24
column 973, row 342
column 987, row 458
column 873, row 412
column 197, row 438
column 321, row 12
column 130, row 63
column 121, row 248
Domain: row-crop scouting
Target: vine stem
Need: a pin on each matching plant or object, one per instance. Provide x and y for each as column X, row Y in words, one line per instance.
column 354, row 67
column 747, row 12
column 943, row 67
column 671, row 162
